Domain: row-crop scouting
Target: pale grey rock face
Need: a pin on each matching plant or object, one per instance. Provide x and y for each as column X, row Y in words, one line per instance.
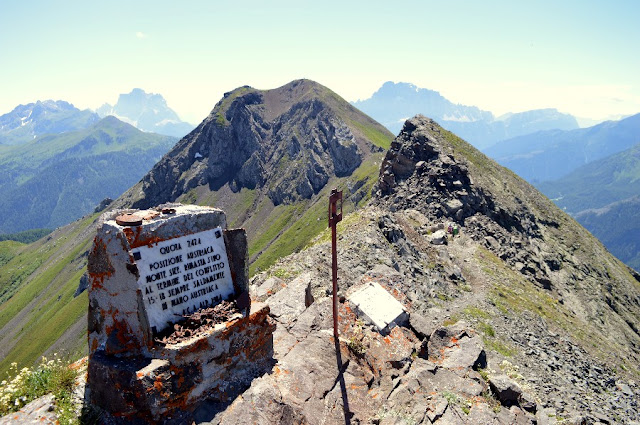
column 291, row 156
column 439, row 237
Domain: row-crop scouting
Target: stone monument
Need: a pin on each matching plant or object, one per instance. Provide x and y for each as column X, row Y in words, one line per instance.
column 170, row 322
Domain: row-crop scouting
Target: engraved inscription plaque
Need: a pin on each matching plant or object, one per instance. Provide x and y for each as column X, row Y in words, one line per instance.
column 182, row 275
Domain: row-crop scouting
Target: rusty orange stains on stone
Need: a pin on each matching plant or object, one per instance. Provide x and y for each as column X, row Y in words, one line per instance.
column 149, row 214
column 135, row 239
column 157, row 384
column 99, row 265
column 79, row 363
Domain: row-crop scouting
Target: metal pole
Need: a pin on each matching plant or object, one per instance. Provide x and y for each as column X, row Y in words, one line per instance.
column 334, row 218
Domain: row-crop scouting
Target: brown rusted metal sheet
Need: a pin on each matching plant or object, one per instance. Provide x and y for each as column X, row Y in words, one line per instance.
column 129, row 220
column 335, row 201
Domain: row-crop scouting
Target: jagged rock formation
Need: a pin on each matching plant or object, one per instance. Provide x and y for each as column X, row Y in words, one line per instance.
column 430, row 170
column 287, row 141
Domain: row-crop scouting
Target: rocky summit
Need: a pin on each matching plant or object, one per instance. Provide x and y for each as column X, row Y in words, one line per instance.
column 287, row 141
column 518, row 316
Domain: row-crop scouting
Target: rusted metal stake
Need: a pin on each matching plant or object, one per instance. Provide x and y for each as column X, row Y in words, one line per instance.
column 334, row 218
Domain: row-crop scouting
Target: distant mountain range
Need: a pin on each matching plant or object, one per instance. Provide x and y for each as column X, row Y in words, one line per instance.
column 147, row 112
column 604, row 196
column 393, row 103
column 57, row 161
column 549, row 155
column 26, row 122
column 57, row 178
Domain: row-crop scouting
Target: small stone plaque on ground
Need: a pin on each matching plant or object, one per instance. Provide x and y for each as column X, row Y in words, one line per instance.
column 182, row 275
column 378, row 306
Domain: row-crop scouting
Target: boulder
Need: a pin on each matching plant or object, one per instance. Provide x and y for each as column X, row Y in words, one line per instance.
column 506, row 390
column 439, row 237
column 289, row 302
column 456, row 348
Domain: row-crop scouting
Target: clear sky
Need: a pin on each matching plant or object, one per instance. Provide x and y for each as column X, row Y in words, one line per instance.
column 582, row 57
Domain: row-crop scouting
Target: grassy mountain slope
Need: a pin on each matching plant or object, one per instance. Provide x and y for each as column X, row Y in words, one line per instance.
column 55, row 179
column 37, row 281
column 38, row 310
column 598, row 183
column 602, row 196
column 617, row 225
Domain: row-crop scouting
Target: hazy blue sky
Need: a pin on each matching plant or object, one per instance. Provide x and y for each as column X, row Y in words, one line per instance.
column 582, row 57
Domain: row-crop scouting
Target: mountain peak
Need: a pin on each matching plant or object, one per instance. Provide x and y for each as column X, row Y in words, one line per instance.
column 432, row 171
column 26, row 122
column 392, row 89
column 147, row 112
column 288, row 142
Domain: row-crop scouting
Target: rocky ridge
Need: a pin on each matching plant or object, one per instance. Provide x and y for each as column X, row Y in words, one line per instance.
column 489, row 341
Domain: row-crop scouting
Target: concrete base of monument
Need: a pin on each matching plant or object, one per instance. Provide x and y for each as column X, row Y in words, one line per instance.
column 168, row 386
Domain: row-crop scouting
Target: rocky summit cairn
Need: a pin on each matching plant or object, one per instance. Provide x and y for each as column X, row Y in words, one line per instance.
column 170, row 319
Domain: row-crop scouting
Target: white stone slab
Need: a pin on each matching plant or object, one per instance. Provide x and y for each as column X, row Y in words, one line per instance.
column 378, row 306
column 181, row 275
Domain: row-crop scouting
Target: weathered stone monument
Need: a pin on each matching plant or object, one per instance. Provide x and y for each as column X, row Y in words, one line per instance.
column 170, row 321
